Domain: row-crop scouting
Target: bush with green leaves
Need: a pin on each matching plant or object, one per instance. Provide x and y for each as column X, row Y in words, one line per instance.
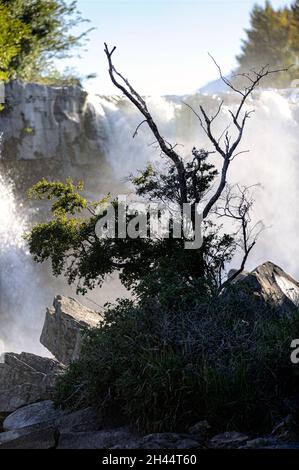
column 13, row 34
column 33, row 34
column 224, row 360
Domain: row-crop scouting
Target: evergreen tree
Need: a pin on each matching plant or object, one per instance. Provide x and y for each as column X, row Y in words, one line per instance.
column 272, row 39
column 294, row 29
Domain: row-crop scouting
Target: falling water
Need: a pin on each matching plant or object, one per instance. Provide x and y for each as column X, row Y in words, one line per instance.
column 21, row 296
column 271, row 137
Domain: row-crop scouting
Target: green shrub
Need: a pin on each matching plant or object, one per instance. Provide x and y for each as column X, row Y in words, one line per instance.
column 224, row 359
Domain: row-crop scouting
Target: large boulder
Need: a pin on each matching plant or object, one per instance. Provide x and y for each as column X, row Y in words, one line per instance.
column 45, row 413
column 30, row 415
column 32, row 437
column 64, row 323
column 122, row 437
column 269, row 283
column 26, row 378
column 228, row 440
column 126, row 438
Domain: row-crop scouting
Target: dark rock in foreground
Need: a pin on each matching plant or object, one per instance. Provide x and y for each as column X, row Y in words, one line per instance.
column 31, row 415
column 26, row 378
column 34, row 437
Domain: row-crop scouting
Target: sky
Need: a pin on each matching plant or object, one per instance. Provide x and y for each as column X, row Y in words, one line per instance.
column 162, row 45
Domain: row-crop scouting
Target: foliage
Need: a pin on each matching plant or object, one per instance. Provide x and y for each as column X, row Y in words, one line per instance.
column 222, row 359
column 12, row 34
column 69, row 240
column 39, row 32
column 273, row 38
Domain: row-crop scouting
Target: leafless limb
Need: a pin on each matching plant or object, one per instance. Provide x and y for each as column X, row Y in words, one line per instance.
column 237, row 205
column 138, row 127
column 227, row 152
column 123, row 84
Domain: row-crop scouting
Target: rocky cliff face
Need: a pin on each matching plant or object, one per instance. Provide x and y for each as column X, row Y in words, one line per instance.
column 52, row 132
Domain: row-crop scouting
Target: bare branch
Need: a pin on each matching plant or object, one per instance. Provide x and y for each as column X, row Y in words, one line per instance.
column 138, row 127
column 238, row 202
column 239, row 119
column 140, row 104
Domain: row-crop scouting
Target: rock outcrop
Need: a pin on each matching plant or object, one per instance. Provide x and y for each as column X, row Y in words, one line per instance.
column 271, row 284
column 51, row 131
column 63, row 327
column 26, row 378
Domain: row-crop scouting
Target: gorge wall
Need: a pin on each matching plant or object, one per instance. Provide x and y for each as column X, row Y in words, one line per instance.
column 51, row 132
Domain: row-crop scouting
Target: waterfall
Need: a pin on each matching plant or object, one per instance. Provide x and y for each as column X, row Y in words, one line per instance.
column 21, row 293
column 271, row 136
column 27, row 288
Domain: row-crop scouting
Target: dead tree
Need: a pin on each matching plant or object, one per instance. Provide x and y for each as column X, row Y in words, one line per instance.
column 226, row 145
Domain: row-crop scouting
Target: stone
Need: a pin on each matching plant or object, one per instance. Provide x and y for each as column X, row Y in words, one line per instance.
column 269, row 283
column 97, row 440
column 170, row 441
column 84, row 420
column 124, row 438
column 51, row 131
column 45, row 412
column 26, row 378
column 170, row 436
column 228, row 439
column 161, row 438
column 37, row 413
column 259, row 443
column 187, row 444
column 64, row 323
column 29, row 438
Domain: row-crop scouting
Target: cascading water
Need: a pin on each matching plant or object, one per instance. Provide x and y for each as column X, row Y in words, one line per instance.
column 271, row 137
column 21, row 296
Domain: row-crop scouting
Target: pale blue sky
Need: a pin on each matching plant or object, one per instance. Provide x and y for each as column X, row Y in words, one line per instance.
column 162, row 45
